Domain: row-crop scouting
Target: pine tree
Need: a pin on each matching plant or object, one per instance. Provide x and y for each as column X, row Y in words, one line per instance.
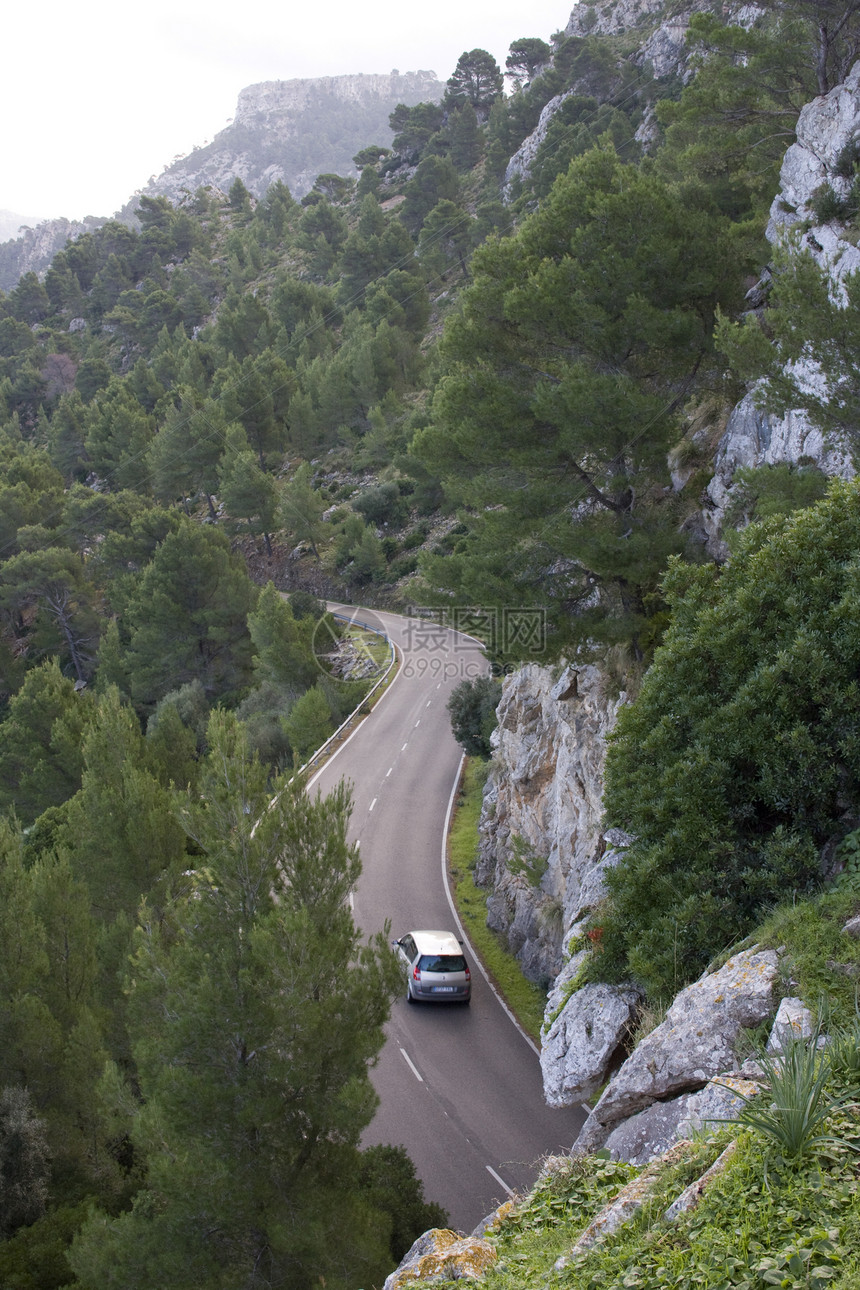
column 256, row 1010
column 187, row 617
column 562, row 378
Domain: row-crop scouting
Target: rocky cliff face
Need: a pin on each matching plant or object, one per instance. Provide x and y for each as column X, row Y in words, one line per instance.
column 643, row 32
column 543, row 851
column 541, row 821
column 34, row 249
column 660, row 35
column 295, row 130
column 826, row 127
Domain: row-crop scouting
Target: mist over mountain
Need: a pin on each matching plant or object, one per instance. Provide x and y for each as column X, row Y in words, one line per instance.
column 11, row 223
column 283, row 130
column 295, row 130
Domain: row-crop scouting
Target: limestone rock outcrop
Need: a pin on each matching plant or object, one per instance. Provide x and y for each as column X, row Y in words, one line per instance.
column 826, row 127
column 694, row 1043
column 276, row 123
column 755, row 438
column 522, row 161
column 656, row 40
column 540, row 830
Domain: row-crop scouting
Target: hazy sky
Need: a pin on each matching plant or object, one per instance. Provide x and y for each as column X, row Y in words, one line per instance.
column 97, row 96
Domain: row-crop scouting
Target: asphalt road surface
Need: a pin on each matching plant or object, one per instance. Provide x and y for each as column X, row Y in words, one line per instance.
column 460, row 1086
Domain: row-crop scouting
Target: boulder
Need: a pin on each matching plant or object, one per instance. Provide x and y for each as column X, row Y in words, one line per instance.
column 793, row 1020
column 694, row 1043
column 582, row 1041
column 852, row 927
column 647, row 1135
column 442, row 1255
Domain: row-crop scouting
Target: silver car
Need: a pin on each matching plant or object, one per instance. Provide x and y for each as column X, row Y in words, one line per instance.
column 436, row 968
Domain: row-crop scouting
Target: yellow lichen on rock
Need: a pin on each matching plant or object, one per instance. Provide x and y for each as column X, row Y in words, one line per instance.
column 450, row 1257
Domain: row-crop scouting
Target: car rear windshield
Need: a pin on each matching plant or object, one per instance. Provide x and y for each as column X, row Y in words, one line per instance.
column 442, row 963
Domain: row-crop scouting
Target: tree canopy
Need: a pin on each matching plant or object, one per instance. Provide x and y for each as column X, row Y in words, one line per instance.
column 476, row 79
column 256, row 1011
column 737, row 768
column 562, row 381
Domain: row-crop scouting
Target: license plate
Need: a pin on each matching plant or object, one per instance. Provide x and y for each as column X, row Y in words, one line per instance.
column 443, row 989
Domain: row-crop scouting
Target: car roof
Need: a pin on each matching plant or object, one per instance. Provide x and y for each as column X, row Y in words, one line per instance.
column 436, row 943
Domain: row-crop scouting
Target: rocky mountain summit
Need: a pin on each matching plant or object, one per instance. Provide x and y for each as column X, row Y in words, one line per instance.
column 295, row 130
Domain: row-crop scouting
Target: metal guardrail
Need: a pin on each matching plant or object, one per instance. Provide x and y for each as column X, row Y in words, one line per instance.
column 323, row 751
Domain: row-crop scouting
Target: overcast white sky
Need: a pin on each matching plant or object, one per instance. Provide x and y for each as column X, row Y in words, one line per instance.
column 96, row 96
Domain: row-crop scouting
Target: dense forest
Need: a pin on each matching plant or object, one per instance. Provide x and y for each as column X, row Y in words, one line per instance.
column 423, row 386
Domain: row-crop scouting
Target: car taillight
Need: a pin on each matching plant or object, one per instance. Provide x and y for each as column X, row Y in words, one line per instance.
column 416, row 973
column 468, row 975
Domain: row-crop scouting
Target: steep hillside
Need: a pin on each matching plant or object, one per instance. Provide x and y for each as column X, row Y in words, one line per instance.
column 31, row 249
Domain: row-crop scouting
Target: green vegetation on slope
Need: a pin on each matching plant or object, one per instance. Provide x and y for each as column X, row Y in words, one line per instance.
column 737, row 765
column 762, row 1222
column 525, row 999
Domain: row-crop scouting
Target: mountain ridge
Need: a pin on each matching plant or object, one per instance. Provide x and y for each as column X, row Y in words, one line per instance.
column 271, row 138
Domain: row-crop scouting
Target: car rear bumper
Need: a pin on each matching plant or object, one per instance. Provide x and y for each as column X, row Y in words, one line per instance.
column 441, row 994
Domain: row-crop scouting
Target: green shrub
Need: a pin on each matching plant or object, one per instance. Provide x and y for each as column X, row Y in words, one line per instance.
column 383, row 504
column 828, row 206
column 472, row 707
column 734, row 765
column 792, row 1114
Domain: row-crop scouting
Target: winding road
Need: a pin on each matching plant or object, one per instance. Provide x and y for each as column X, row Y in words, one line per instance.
column 460, row 1087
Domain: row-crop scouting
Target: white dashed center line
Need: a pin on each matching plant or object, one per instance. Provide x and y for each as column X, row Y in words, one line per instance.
column 420, row 1079
column 372, row 804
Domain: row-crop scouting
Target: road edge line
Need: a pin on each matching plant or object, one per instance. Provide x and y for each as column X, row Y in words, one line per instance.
column 475, row 956
column 341, row 747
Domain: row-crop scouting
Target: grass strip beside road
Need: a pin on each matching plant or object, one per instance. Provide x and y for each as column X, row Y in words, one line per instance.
column 525, row 999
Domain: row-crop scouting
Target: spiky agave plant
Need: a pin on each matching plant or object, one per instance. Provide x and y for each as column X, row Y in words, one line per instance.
column 795, row 1119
